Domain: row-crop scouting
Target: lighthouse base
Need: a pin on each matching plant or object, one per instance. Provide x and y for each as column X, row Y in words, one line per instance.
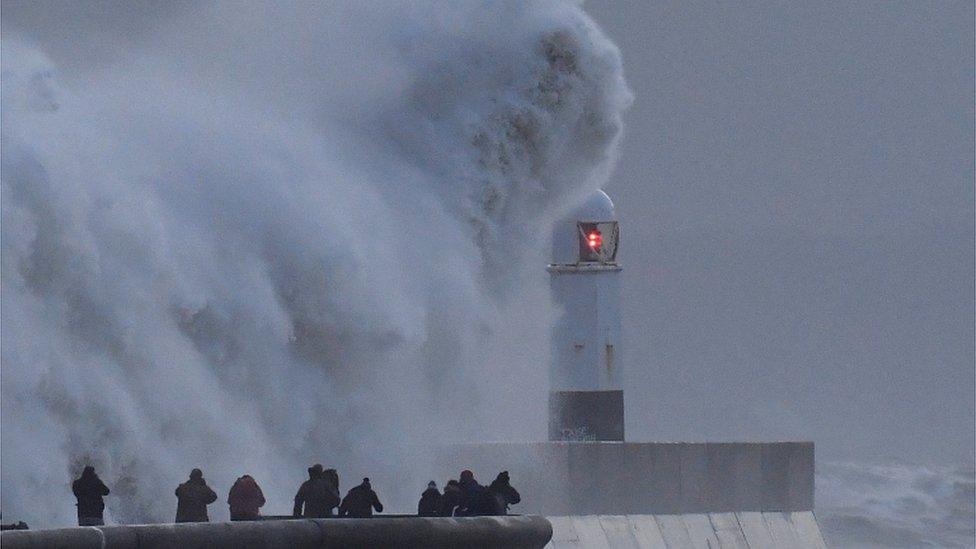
column 624, row 478
column 586, row 416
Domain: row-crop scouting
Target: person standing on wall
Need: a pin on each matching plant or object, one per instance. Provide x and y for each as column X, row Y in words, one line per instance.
column 451, row 499
column 430, row 501
column 318, row 495
column 360, row 502
column 192, row 499
column 504, row 493
column 89, row 489
column 245, row 499
column 475, row 499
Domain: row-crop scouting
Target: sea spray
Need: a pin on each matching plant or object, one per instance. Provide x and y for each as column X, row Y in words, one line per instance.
column 268, row 235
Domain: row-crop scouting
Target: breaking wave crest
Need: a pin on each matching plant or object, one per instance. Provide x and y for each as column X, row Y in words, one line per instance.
column 270, row 235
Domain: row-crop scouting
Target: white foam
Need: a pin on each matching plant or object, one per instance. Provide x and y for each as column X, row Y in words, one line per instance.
column 263, row 236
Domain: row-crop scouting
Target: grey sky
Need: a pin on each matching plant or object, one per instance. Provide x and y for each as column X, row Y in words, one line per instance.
column 796, row 200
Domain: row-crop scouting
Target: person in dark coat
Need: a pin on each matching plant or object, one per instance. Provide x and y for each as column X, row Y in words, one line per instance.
column 89, row 489
column 317, row 494
column 193, row 497
column 245, row 499
column 503, row 493
column 333, row 476
column 475, row 499
column 451, row 498
column 430, row 501
column 360, row 502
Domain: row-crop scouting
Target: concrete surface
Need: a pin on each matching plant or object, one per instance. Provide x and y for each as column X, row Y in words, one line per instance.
column 484, row 532
column 696, row 530
column 746, row 530
column 628, row 478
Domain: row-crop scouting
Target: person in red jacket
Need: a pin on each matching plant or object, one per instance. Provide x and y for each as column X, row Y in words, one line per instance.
column 245, row 498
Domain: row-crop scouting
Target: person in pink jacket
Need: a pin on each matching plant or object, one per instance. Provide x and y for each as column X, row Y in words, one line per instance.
column 245, row 498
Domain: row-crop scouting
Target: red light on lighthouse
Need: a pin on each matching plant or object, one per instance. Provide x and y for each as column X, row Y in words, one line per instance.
column 594, row 239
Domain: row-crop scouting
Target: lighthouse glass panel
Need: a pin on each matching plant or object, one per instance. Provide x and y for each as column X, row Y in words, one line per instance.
column 597, row 241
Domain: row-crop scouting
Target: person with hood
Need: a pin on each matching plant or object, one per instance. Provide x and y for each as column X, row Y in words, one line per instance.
column 430, row 501
column 360, row 502
column 317, row 495
column 89, row 489
column 245, row 498
column 503, row 493
column 333, row 476
column 192, row 499
column 451, row 498
column 475, row 499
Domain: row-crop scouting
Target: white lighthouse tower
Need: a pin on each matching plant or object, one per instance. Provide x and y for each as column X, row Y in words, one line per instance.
column 588, row 469
column 586, row 399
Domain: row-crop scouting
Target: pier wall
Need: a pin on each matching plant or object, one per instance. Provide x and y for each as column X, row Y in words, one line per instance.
column 797, row 530
column 525, row 532
column 630, row 478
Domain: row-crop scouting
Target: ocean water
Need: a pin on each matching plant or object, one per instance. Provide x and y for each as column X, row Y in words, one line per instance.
column 861, row 505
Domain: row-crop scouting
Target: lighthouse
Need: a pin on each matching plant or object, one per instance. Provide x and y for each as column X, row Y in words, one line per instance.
column 766, row 489
column 586, row 400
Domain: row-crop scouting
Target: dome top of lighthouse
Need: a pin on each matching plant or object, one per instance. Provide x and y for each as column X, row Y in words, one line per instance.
column 597, row 207
column 588, row 234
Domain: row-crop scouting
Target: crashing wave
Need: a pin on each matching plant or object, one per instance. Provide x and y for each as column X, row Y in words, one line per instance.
column 248, row 247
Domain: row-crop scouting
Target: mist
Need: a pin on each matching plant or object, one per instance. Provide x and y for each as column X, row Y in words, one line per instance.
column 248, row 238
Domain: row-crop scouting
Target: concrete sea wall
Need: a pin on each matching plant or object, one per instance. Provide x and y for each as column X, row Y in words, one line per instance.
column 743, row 530
column 485, row 532
column 629, row 478
column 748, row 530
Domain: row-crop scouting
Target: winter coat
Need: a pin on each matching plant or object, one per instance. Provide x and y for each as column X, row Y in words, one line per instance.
column 245, row 498
column 503, row 495
column 193, row 496
column 430, row 503
column 89, row 489
column 450, row 500
column 360, row 502
column 319, row 497
column 475, row 500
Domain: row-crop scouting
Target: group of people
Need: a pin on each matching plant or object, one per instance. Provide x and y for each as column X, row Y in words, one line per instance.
column 192, row 498
column 317, row 497
column 467, row 498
